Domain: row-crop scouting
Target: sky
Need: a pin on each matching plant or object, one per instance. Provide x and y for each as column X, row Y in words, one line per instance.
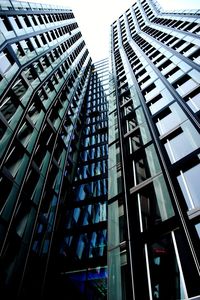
column 95, row 17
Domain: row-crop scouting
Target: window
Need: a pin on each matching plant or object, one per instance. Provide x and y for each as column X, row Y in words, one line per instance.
column 192, row 100
column 185, row 85
column 182, row 141
column 51, row 57
column 48, row 36
column 24, row 133
column 45, row 17
column 40, row 18
column 37, row 42
column 53, row 116
column 39, row 154
column 14, row 159
column 146, row 164
column 44, row 62
column 178, row 44
column 31, row 182
column 48, row 86
column 27, row 21
column 19, row 88
column 170, row 118
column 6, row 23
column 38, row 67
column 34, row 112
column 153, row 90
column 30, row 74
column 5, row 186
column 139, row 137
column 160, row 101
column 27, row 46
column 195, row 56
column 18, row 50
column 154, row 204
column 164, row 65
column 2, row 129
column 175, row 72
column 6, row 61
column 42, row 95
column 167, row 282
column 187, row 47
column 42, row 38
column 17, row 21
column 34, row 20
column 8, row 107
column 189, row 184
column 197, row 227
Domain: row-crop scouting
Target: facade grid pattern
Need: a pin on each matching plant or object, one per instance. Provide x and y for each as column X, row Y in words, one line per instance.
column 154, row 199
column 44, row 73
column 99, row 163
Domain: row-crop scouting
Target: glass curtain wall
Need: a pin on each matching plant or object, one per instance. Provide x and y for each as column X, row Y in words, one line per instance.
column 44, row 72
column 83, row 248
column 154, row 143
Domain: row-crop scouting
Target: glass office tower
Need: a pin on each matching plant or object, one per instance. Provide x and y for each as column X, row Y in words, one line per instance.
column 154, row 152
column 44, row 73
column 79, row 260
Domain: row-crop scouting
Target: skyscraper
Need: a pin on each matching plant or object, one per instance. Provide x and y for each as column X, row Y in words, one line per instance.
column 45, row 69
column 153, row 196
column 80, row 256
column 99, row 193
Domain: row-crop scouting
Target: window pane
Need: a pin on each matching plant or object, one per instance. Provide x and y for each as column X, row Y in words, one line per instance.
column 163, row 198
column 153, row 162
column 25, row 133
column 140, row 137
column 189, row 183
column 114, row 251
column 19, row 88
column 147, row 164
column 194, row 103
column 166, row 280
column 197, row 226
column 186, row 87
column 6, row 61
column 186, row 141
column 115, row 184
column 9, row 107
column 14, row 160
column 174, row 117
column 155, row 204
column 160, row 101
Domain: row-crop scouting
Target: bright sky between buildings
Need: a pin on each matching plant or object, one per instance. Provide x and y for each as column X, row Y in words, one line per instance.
column 94, row 18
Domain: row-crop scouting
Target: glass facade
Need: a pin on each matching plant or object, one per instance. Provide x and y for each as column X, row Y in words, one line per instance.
column 45, row 70
column 154, row 142
column 99, row 162
column 83, row 232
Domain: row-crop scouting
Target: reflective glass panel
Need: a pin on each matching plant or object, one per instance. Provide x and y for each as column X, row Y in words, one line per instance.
column 147, row 164
column 189, row 183
column 174, row 116
column 166, row 280
column 186, row 141
column 154, row 204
